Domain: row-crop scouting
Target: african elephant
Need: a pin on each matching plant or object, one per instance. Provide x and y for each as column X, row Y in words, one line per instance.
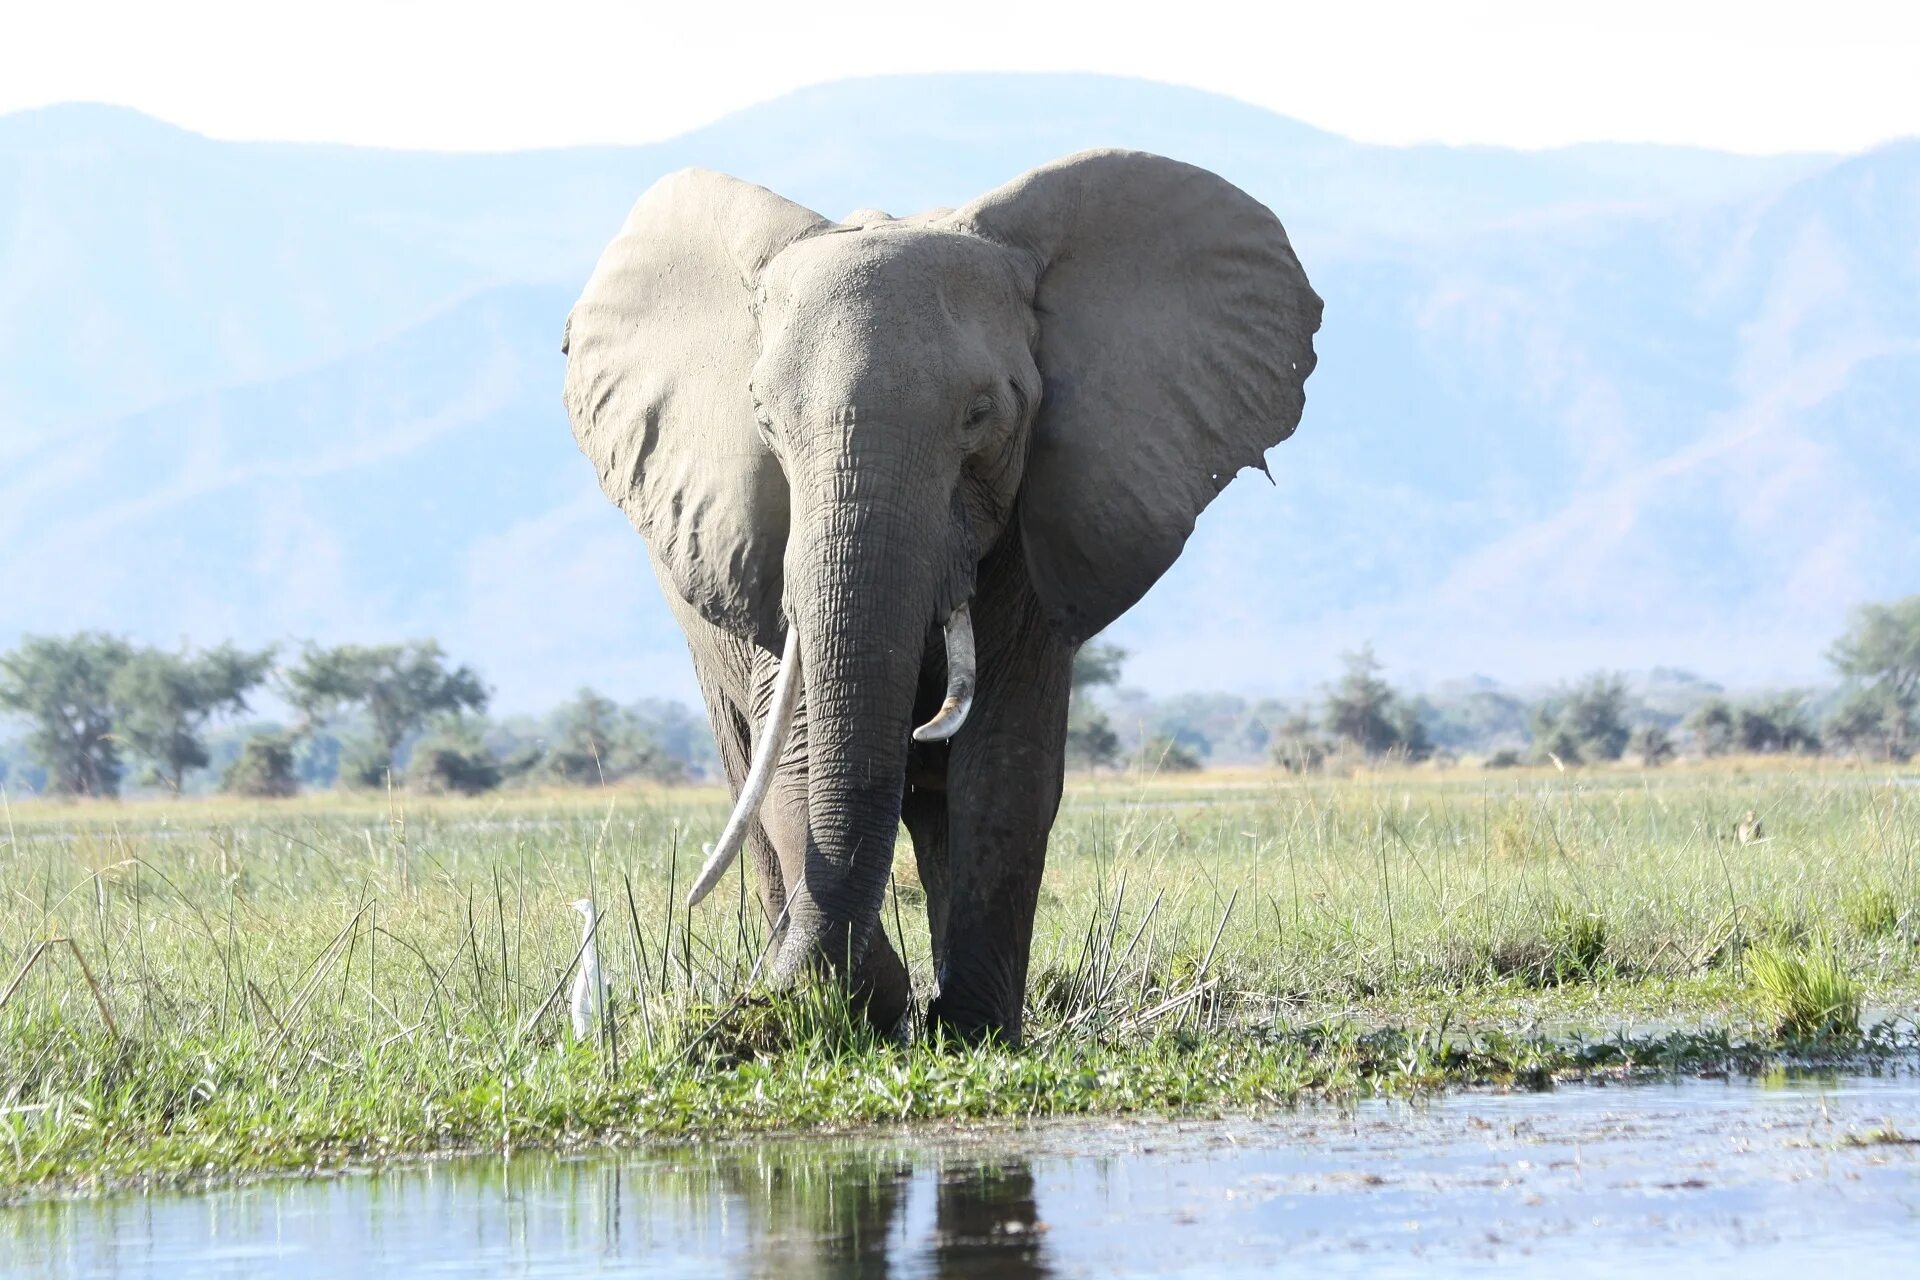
column 893, row 472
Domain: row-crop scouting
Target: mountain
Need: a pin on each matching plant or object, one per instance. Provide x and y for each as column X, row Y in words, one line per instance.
column 1597, row 406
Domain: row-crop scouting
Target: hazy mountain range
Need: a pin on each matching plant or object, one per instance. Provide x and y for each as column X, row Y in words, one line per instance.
column 1599, row 406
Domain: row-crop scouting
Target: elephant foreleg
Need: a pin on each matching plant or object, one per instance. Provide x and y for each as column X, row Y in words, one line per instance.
column 1003, row 789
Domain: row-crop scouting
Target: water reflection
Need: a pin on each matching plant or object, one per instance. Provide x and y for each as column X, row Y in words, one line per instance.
column 1748, row 1181
column 988, row 1223
column 857, row 1215
column 788, row 1210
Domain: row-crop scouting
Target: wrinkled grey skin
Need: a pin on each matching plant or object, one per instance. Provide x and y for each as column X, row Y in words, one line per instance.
column 856, row 427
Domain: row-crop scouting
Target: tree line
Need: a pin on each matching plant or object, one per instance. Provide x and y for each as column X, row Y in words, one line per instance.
column 1873, row 710
column 99, row 710
column 97, row 707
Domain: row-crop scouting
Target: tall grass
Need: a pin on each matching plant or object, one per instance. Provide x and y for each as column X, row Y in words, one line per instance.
column 220, row 984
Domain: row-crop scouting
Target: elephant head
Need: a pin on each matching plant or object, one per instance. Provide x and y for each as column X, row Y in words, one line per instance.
column 822, row 428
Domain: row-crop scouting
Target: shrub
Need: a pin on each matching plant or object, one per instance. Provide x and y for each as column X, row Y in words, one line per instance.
column 263, row 769
column 1556, row 744
column 1091, row 741
column 363, row 765
column 1167, row 754
column 1298, row 747
column 1653, row 744
column 445, row 769
column 521, row 763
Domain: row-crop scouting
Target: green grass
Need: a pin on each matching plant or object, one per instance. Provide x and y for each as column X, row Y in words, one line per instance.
column 335, row 979
column 1809, row 991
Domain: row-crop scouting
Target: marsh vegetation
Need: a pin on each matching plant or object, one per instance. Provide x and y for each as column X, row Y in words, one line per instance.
column 199, row 987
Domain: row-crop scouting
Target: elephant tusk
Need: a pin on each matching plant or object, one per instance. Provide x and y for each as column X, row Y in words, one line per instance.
column 766, row 757
column 960, row 681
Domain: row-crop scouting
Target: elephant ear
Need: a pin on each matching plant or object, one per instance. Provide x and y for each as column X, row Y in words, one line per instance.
column 1176, row 333
column 660, row 352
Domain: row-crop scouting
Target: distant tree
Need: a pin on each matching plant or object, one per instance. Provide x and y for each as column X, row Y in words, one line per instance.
column 1360, row 708
column 263, row 769
column 1772, row 725
column 453, row 760
column 1097, row 665
column 440, row 769
column 1596, row 715
column 363, row 765
column 319, row 755
column 1364, row 711
column 1410, row 731
column 1652, row 744
column 1588, row 723
column 676, row 731
column 164, row 699
column 1880, row 651
column 1091, row 740
column 1712, row 726
column 1166, row 754
column 588, row 735
column 398, row 687
column 1475, row 719
column 521, row 762
column 594, row 741
column 1554, row 741
column 63, row 686
column 1297, row 745
column 1867, row 722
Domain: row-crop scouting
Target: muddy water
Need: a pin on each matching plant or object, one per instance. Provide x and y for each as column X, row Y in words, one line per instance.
column 1755, row 1179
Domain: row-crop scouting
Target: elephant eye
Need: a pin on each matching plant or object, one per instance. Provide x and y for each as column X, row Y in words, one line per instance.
column 979, row 411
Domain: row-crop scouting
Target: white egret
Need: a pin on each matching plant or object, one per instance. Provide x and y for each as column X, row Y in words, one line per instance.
column 589, row 990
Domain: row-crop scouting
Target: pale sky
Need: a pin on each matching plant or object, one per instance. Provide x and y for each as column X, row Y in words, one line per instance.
column 1746, row 75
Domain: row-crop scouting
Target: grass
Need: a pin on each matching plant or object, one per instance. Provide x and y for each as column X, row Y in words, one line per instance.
column 201, row 988
column 1809, row 991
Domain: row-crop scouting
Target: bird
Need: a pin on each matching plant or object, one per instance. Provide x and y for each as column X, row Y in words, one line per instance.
column 589, row 990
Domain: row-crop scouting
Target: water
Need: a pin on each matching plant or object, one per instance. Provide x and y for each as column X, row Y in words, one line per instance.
column 1716, row 1178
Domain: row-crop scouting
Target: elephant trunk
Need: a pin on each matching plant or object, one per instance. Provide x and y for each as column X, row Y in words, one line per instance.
column 862, row 592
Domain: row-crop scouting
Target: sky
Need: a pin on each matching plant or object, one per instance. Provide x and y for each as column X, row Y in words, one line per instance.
column 1757, row 76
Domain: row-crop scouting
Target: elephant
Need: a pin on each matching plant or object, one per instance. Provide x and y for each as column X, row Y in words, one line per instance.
column 893, row 472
